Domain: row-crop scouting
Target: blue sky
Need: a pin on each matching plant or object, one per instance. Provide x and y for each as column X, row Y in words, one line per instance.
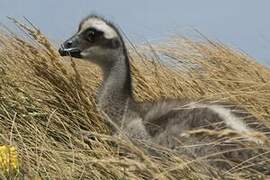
column 242, row 24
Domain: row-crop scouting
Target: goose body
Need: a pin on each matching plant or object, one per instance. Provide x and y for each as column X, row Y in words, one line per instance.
column 163, row 122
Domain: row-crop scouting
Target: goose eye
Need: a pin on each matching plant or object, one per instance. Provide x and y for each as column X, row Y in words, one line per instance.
column 90, row 35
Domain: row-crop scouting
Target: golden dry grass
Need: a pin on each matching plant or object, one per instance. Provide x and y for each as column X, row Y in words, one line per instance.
column 47, row 107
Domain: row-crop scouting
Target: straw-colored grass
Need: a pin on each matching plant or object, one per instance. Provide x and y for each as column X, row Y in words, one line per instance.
column 48, row 112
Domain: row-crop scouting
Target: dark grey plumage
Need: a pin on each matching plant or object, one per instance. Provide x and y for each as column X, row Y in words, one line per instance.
column 165, row 122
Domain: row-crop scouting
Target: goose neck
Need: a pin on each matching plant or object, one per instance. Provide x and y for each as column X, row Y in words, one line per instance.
column 116, row 89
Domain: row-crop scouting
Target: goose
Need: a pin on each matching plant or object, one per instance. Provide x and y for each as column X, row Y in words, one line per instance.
column 165, row 122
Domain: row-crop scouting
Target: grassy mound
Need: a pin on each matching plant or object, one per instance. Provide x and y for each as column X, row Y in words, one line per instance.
column 48, row 112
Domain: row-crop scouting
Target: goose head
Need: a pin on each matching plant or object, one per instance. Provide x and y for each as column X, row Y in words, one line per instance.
column 96, row 40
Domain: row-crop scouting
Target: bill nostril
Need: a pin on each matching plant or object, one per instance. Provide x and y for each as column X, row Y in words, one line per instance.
column 69, row 44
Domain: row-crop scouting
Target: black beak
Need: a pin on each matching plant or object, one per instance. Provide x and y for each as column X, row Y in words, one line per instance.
column 70, row 48
column 74, row 52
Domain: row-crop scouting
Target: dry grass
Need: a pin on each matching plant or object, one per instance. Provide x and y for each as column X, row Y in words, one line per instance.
column 47, row 107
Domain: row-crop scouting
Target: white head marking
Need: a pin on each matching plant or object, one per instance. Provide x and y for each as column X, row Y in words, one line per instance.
column 99, row 24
